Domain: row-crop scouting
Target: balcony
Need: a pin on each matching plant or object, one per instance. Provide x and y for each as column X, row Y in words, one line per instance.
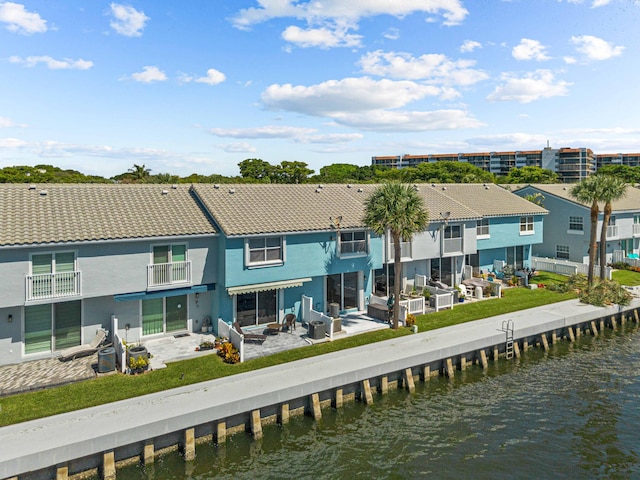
column 452, row 245
column 167, row 274
column 52, row 285
column 405, row 250
column 636, row 229
column 612, row 231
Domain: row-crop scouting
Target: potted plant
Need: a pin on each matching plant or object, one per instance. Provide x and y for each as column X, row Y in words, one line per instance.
column 138, row 364
column 206, row 345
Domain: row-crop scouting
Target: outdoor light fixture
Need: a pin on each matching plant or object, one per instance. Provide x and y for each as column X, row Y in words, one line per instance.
column 10, row 318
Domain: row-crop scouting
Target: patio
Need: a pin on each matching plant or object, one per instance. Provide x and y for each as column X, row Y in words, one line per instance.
column 50, row 372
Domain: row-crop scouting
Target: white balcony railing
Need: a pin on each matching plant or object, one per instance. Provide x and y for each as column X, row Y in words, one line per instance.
column 636, row 229
column 162, row 274
column 452, row 245
column 612, row 231
column 53, row 285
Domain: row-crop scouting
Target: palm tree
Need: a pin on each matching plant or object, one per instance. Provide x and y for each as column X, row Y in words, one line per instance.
column 396, row 208
column 588, row 192
column 138, row 173
column 611, row 189
column 536, row 198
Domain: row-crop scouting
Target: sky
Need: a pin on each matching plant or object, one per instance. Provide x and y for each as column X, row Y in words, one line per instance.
column 199, row 86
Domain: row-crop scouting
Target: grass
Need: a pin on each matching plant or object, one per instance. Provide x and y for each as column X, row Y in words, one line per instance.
column 75, row 396
column 626, row 277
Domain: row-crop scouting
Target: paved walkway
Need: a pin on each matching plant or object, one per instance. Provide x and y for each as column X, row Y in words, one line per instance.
column 54, row 440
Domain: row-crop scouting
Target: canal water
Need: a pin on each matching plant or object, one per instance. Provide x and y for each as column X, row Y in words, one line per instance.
column 573, row 412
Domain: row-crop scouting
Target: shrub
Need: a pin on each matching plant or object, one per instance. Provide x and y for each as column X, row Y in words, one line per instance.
column 411, row 320
column 229, row 353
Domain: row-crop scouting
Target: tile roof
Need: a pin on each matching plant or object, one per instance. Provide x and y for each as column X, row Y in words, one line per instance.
column 631, row 201
column 490, row 200
column 93, row 212
column 270, row 208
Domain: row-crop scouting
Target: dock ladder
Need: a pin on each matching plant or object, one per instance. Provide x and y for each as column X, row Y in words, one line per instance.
column 507, row 327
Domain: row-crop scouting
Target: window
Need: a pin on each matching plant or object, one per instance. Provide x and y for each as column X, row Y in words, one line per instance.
column 482, row 229
column 167, row 314
column 453, row 231
column 49, row 327
column 257, row 308
column 342, row 288
column 576, row 224
column 264, row 251
column 353, row 243
column 526, row 225
column 562, row 251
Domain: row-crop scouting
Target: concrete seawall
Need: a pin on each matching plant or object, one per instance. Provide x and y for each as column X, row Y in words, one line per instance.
column 138, row 429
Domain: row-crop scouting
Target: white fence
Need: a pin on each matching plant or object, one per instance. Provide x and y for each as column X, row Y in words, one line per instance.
column 563, row 267
column 53, row 285
column 620, row 256
column 118, row 344
column 160, row 274
column 414, row 305
column 440, row 298
column 310, row 315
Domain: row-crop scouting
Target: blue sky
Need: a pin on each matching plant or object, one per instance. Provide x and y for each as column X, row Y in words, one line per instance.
column 198, row 86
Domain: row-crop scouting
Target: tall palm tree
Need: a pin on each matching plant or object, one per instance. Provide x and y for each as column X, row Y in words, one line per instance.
column 397, row 209
column 611, row 189
column 588, row 192
column 139, row 173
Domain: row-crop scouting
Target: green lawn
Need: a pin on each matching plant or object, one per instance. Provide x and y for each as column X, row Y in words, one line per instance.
column 626, row 277
column 28, row 406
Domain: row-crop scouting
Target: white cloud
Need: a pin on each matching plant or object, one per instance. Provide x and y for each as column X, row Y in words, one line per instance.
column 516, row 140
column 434, row 67
column 240, row 147
column 392, row 34
column 213, row 77
column 6, row 122
column 269, row 131
column 127, row 20
column 322, row 37
column 331, row 138
column 347, row 95
column 469, row 46
column 529, row 49
column 569, row 60
column 52, row 63
column 409, row 121
column 595, row 48
column 451, row 11
column 19, row 20
column 12, row 143
column 600, row 3
column 149, row 74
column 533, row 86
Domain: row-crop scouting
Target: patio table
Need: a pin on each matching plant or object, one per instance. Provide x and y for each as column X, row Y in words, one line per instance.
column 272, row 329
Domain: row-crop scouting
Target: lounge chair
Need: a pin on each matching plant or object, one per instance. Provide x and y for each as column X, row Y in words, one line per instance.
column 249, row 337
column 86, row 349
column 289, row 322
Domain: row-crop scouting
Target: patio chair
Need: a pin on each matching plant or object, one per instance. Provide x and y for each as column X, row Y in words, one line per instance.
column 86, row 349
column 249, row 337
column 289, row 322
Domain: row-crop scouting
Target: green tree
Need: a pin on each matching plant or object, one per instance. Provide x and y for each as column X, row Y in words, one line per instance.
column 611, row 189
column 396, row 209
column 450, row 172
column 588, row 192
column 531, row 174
column 292, row 172
column 257, row 169
column 536, row 198
column 625, row 172
column 139, row 173
column 337, row 173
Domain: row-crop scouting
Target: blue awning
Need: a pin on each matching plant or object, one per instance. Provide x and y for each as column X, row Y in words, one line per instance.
column 174, row 292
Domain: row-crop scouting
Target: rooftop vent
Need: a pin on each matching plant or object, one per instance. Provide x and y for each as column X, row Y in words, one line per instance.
column 43, row 193
column 318, row 190
column 360, row 190
column 433, row 184
column 232, row 190
column 165, row 192
column 320, row 186
column 216, row 186
column 486, row 187
column 174, row 186
column 32, row 187
column 349, row 185
column 444, row 188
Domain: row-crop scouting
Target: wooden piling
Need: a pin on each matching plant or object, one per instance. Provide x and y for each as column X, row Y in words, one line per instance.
column 496, row 353
column 367, row 397
column 463, row 362
column 108, row 465
column 636, row 316
column 426, row 373
column 256, row 424
column 62, row 472
column 483, row 359
column 525, row 345
column 408, row 380
column 148, row 453
column 316, row 411
column 338, row 399
column 190, row 443
column 614, row 324
column 284, row 414
column 572, row 337
column 545, row 342
column 449, row 368
column 594, row 329
column 221, row 432
column 516, row 349
column 554, row 338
